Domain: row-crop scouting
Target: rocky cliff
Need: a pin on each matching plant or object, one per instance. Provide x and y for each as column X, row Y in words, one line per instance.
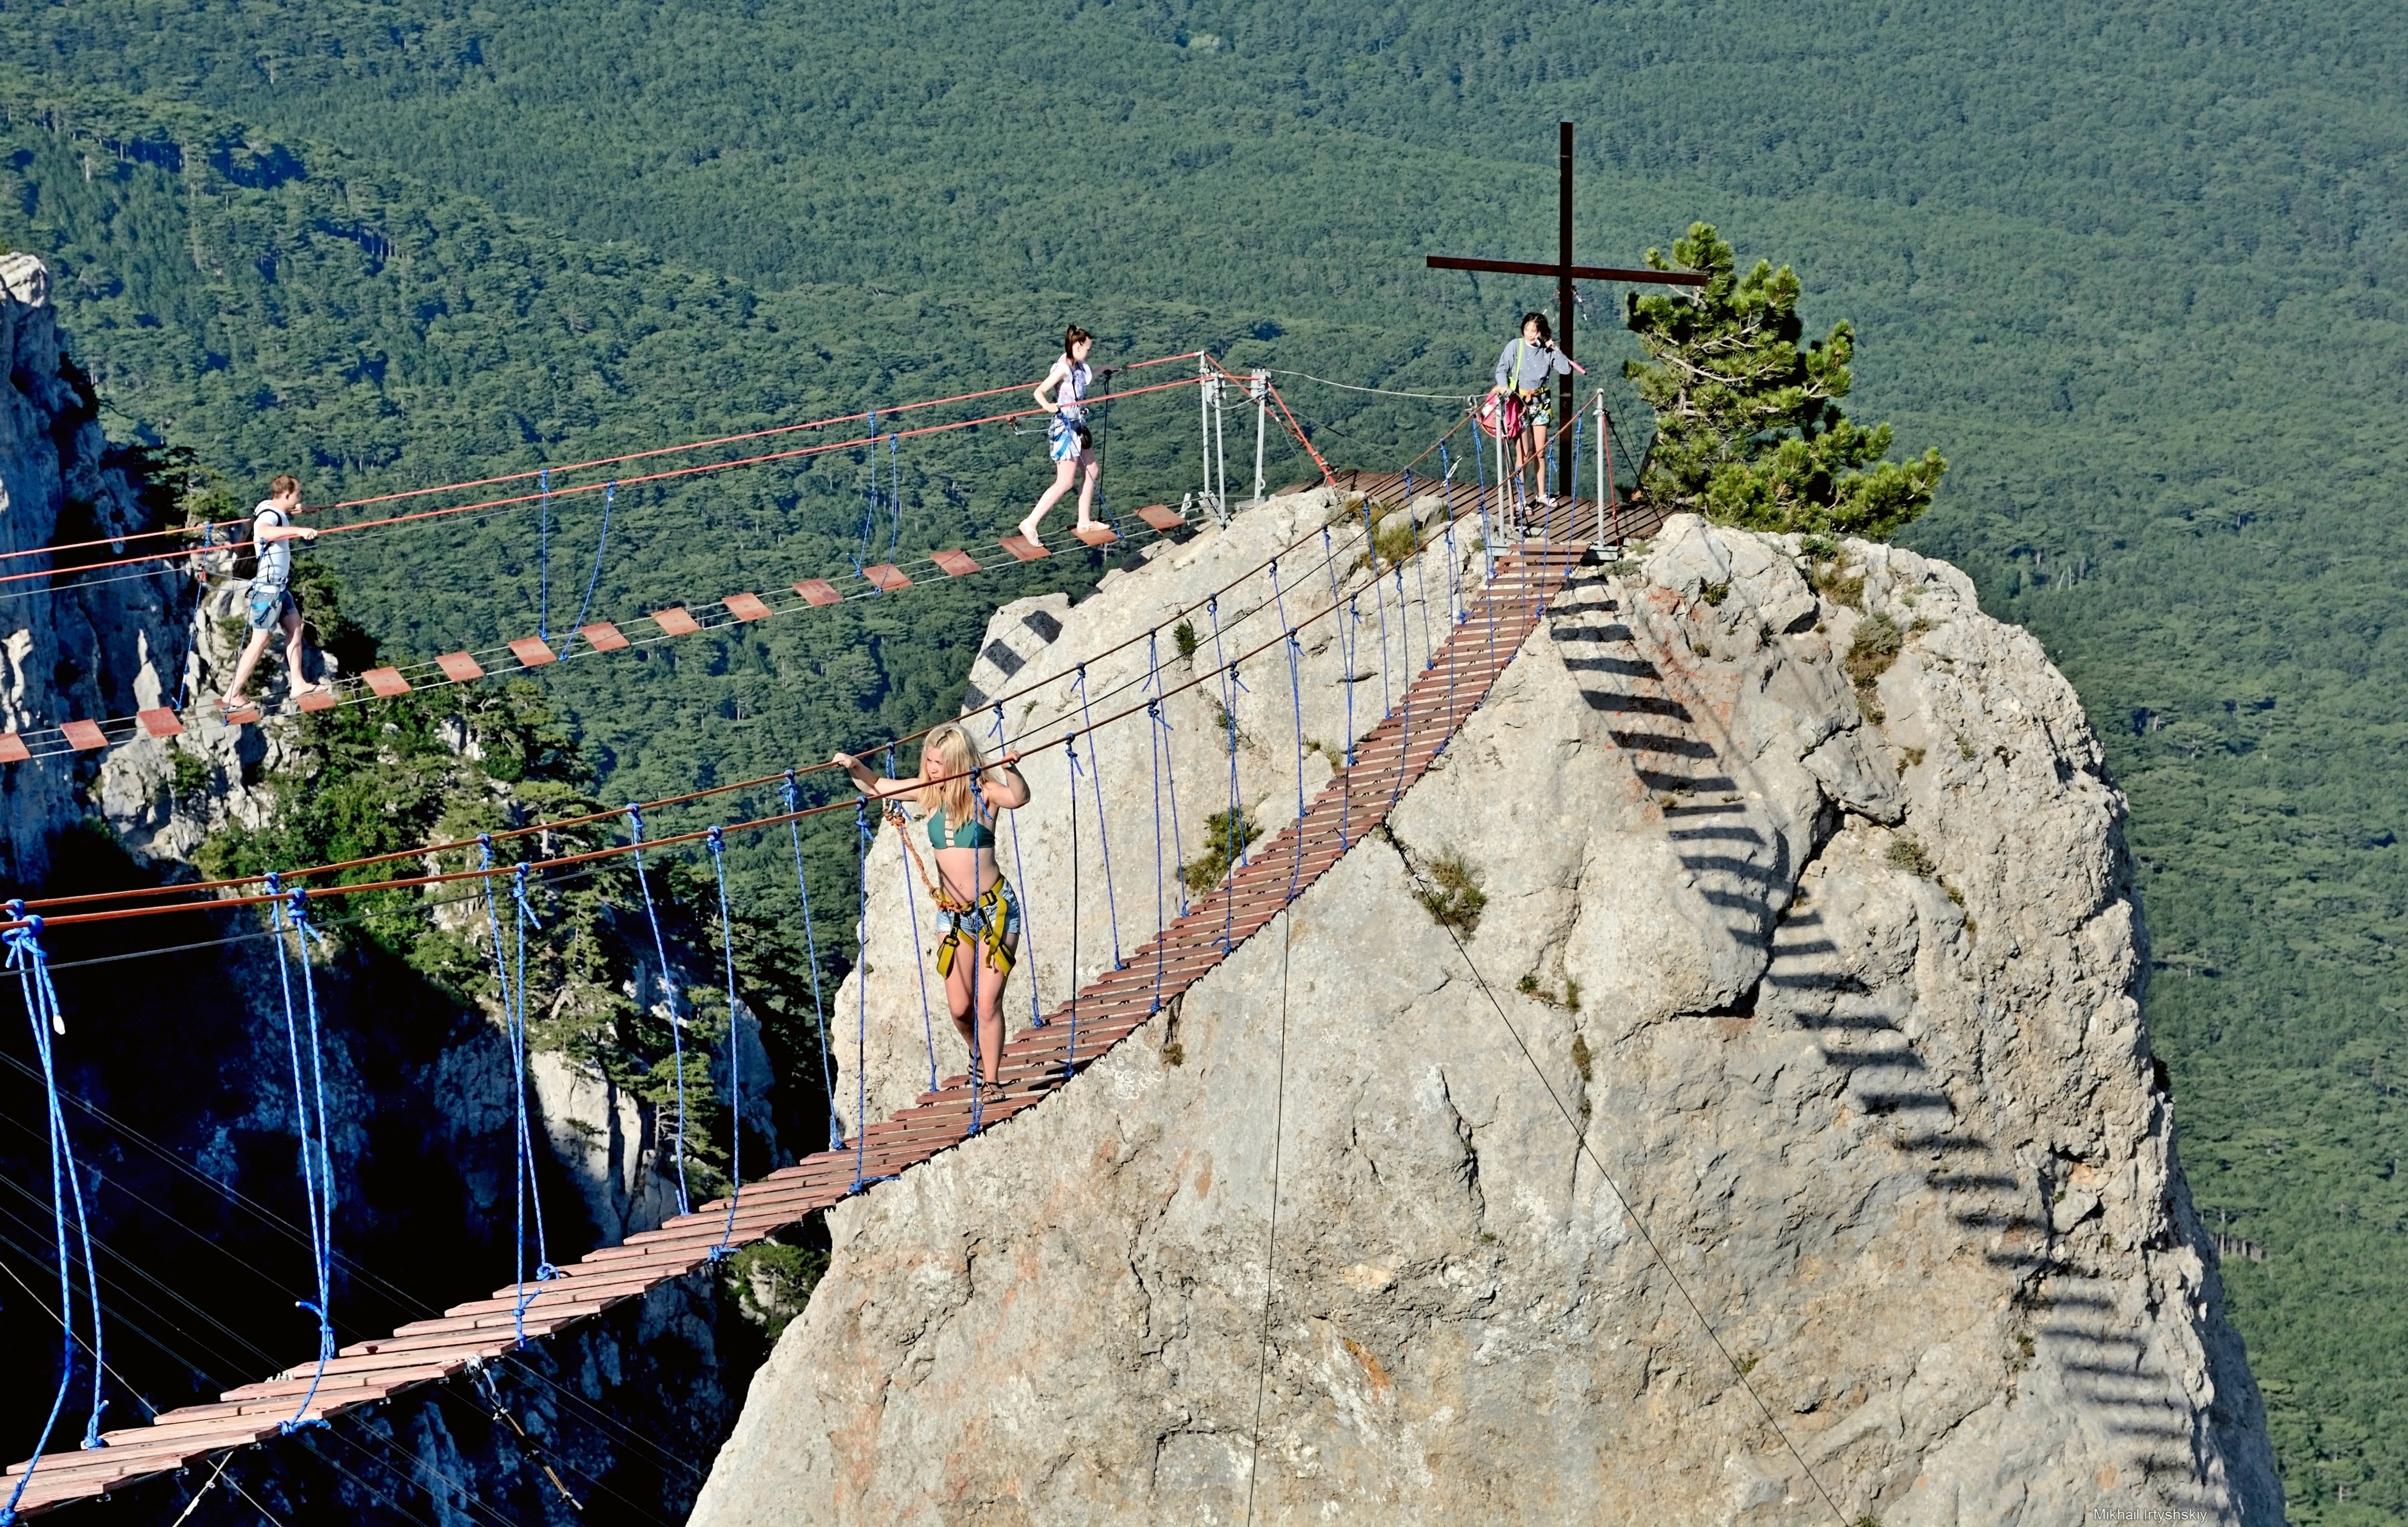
column 1781, row 1142
column 101, row 648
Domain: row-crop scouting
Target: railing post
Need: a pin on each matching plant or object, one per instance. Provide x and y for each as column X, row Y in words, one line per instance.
column 1604, row 484
column 1259, row 389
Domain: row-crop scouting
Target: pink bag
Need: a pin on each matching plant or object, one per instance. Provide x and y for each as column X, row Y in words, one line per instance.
column 1500, row 416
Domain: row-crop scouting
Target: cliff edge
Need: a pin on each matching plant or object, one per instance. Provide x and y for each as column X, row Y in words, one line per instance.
column 1803, row 1006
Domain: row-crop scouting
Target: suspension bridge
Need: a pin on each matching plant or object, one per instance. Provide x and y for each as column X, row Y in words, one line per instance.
column 1487, row 624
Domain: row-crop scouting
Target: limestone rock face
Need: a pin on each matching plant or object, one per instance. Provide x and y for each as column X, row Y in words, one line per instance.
column 87, row 651
column 1781, row 1144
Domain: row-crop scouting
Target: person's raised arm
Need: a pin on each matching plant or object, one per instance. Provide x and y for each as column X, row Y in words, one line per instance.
column 871, row 785
column 264, row 534
column 1003, row 785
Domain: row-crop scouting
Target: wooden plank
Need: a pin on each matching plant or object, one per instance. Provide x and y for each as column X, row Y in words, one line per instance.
column 817, row 591
column 459, row 668
column 887, row 578
column 603, row 636
column 84, row 736
column 675, row 622
column 955, row 563
column 12, row 749
column 746, row 606
column 1097, row 534
column 321, row 698
column 1023, row 548
column 1162, row 517
column 158, row 721
column 384, row 683
column 533, row 652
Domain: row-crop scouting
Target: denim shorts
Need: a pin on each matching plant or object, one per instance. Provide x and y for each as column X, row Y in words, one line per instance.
column 268, row 608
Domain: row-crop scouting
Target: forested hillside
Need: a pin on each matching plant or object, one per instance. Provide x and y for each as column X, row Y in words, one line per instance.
column 2136, row 269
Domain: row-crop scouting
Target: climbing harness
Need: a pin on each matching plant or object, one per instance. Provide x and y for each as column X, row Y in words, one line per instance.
column 668, row 992
column 31, row 962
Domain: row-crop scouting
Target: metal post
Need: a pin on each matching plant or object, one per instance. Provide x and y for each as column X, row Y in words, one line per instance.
column 1221, row 445
column 1604, row 483
column 1563, row 311
column 1260, row 390
column 1204, row 428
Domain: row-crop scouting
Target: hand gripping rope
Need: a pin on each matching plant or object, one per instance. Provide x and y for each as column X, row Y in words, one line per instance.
column 912, row 904
column 610, row 494
column 28, row 957
column 1019, row 879
column 792, row 792
column 1296, row 697
column 1095, row 780
column 668, row 992
column 735, row 1050
column 318, row 1177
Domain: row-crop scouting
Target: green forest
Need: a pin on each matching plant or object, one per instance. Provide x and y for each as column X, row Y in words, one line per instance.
column 2135, row 270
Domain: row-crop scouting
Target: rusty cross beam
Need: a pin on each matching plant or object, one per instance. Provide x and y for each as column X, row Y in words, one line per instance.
column 1564, row 273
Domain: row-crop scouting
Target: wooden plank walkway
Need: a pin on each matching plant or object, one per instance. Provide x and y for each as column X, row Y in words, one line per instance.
column 1391, row 757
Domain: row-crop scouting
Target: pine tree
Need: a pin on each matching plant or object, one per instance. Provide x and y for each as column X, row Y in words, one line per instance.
column 1749, row 427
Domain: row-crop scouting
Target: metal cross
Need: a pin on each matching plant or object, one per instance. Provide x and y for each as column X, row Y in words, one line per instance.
column 1564, row 273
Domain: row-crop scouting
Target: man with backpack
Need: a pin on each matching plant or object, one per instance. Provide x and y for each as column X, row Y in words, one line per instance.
column 272, row 605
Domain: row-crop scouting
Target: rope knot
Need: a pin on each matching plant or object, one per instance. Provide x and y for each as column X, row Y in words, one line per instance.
column 718, row 843
column 791, row 791
column 635, row 820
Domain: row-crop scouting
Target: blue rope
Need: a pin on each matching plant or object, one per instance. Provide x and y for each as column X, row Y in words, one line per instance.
column 870, row 506
column 895, row 500
column 912, row 904
column 317, row 1180
column 1371, row 554
column 609, row 496
column 543, row 554
column 792, row 792
column 1229, row 687
column 1421, row 570
column 1070, row 1052
column 28, row 957
column 735, row 1049
column 669, row 989
column 1580, row 421
column 1020, row 878
column 863, row 832
column 1295, row 695
column 530, row 1194
column 1346, row 658
column 1096, row 778
column 1171, row 778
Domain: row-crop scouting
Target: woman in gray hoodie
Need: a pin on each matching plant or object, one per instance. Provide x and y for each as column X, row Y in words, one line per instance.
column 1525, row 371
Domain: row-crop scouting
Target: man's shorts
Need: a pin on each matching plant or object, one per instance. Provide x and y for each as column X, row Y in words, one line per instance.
column 1068, row 441
column 268, row 608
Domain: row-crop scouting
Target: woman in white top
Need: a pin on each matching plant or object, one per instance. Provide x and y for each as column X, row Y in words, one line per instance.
column 1067, row 436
